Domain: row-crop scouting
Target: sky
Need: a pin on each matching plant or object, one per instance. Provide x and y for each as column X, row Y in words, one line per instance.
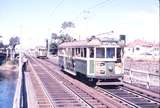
column 34, row 20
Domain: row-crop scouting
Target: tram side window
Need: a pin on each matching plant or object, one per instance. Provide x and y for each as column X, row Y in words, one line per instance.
column 91, row 50
column 78, row 52
column 81, row 52
column 110, row 52
column 73, row 52
column 100, row 53
column 85, row 52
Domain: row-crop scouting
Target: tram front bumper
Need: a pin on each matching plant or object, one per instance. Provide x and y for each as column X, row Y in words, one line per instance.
column 117, row 76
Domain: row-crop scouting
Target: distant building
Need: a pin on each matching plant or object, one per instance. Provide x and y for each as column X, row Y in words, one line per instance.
column 141, row 47
column 156, row 49
column 137, row 47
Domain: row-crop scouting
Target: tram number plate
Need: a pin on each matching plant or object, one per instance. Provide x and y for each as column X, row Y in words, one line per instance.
column 100, row 67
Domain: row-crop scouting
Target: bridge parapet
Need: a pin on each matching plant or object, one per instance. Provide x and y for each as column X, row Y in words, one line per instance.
column 24, row 95
column 18, row 97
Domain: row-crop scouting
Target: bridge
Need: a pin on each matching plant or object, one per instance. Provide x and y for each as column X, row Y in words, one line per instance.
column 44, row 85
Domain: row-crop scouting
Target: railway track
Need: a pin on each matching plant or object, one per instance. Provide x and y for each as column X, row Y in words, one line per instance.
column 60, row 96
column 129, row 96
column 65, row 94
column 40, row 95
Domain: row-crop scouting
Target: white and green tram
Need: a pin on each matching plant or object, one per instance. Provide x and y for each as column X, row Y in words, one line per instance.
column 95, row 59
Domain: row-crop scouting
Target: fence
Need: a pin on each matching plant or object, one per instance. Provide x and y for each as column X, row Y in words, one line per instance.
column 141, row 77
column 17, row 97
column 20, row 97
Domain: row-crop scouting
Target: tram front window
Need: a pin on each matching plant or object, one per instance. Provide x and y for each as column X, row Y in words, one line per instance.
column 100, row 53
column 118, row 55
column 110, row 52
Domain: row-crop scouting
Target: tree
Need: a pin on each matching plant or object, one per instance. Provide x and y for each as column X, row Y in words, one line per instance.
column 54, row 36
column 1, row 45
column 56, row 40
column 65, row 38
column 53, row 48
column 68, row 24
column 13, row 41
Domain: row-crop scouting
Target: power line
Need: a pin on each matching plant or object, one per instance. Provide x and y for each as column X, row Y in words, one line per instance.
column 87, row 11
column 98, row 4
column 54, row 10
column 57, row 6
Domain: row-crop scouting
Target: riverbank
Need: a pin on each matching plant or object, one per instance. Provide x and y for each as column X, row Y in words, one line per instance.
column 8, row 70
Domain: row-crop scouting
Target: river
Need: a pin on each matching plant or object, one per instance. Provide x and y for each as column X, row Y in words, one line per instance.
column 7, row 90
column 8, row 76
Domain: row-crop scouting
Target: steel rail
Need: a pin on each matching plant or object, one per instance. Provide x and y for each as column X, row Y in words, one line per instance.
column 107, row 100
column 131, row 97
column 77, row 98
column 40, row 82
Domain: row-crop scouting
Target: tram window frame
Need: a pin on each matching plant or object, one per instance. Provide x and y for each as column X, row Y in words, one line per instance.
column 70, row 51
column 118, row 55
column 67, row 51
column 109, row 55
column 85, row 52
column 73, row 52
column 91, row 52
column 81, row 52
column 100, row 52
column 78, row 52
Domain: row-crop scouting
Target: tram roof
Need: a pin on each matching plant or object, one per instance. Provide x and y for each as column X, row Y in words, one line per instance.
column 88, row 43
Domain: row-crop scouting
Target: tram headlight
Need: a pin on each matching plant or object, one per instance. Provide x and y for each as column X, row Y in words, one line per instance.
column 110, row 68
column 102, row 64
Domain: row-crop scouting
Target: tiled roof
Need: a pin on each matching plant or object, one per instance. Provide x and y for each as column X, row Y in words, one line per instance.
column 140, row 42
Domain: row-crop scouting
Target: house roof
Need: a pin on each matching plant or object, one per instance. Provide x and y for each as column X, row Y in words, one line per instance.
column 140, row 43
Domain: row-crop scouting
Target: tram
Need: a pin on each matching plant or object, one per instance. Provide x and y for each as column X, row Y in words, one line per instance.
column 98, row 60
column 41, row 52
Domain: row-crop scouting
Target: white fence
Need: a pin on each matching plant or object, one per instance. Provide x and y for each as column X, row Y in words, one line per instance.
column 142, row 77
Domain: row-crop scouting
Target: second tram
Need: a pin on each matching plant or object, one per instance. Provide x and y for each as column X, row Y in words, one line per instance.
column 41, row 52
column 98, row 60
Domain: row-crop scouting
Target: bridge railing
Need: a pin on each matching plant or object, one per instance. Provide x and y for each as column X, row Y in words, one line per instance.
column 17, row 97
column 24, row 95
column 142, row 77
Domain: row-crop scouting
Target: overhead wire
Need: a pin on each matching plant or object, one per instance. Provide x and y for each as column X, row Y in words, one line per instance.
column 57, row 6
column 88, row 10
column 98, row 4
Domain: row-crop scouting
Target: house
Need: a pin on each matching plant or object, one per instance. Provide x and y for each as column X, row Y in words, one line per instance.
column 138, row 47
column 156, row 49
